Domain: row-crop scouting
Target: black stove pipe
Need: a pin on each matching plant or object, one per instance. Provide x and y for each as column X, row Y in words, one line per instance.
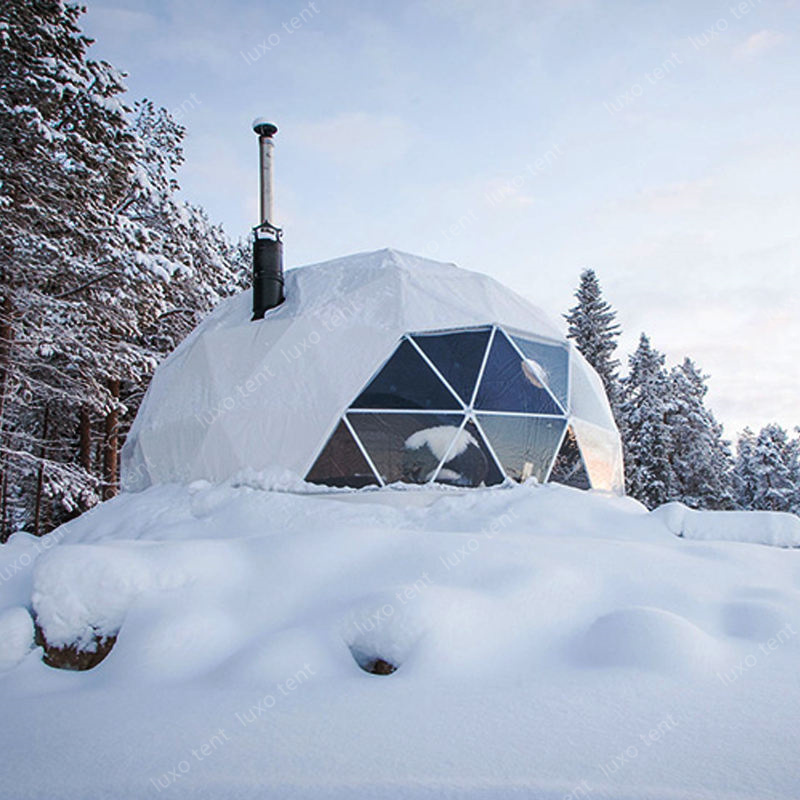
column 267, row 240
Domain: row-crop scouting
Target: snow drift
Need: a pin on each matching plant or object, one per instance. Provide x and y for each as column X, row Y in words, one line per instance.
column 548, row 642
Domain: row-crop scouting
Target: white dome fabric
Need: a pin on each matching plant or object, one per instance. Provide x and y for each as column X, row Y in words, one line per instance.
column 239, row 395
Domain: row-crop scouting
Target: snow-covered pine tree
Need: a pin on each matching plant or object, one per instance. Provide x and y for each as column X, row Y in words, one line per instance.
column 701, row 460
column 645, row 432
column 767, row 472
column 103, row 269
column 593, row 327
column 65, row 163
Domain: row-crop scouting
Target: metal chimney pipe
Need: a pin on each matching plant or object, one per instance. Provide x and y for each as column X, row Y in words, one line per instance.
column 265, row 131
column 267, row 244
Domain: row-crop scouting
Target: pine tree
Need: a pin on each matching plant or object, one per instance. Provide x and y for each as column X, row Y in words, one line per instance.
column 700, row 457
column 65, row 163
column 103, row 269
column 645, row 431
column 593, row 327
column 767, row 472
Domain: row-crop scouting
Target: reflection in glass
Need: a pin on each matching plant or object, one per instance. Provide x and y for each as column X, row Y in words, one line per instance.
column 469, row 462
column 602, row 454
column 509, row 383
column 525, row 446
column 406, row 447
column 549, row 365
column 341, row 463
column 458, row 356
column 406, row 381
column 569, row 468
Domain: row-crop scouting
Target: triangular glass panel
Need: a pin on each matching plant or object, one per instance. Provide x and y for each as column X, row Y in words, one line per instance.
column 547, row 365
column 525, row 446
column 406, row 447
column 470, row 462
column 508, row 384
column 406, row 381
column 341, row 462
column 458, row 356
column 568, row 467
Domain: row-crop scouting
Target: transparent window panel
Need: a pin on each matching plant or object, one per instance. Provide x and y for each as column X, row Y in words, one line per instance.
column 469, row 462
column 458, row 356
column 406, row 447
column 525, row 446
column 509, row 385
column 602, row 454
column 548, row 365
column 406, row 381
column 569, row 468
column 341, row 462
column 587, row 395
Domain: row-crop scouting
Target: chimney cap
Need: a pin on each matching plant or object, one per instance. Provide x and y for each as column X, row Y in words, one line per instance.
column 264, row 128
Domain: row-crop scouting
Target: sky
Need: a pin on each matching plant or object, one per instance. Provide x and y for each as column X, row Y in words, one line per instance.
column 656, row 143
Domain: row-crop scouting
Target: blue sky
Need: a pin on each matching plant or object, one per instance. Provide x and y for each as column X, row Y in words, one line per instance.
column 655, row 142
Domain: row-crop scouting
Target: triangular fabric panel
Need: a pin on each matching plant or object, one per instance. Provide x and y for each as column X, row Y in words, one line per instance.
column 470, row 462
column 508, row 384
column 525, row 446
column 458, row 356
column 569, row 468
column 406, row 447
column 548, row 365
column 602, row 454
column 341, row 462
column 407, row 382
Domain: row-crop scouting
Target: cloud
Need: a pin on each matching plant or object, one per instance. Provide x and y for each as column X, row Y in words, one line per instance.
column 359, row 139
column 758, row 43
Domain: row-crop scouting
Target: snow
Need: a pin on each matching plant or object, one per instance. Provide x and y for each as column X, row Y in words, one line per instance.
column 776, row 528
column 549, row 642
column 239, row 395
column 16, row 636
column 438, row 440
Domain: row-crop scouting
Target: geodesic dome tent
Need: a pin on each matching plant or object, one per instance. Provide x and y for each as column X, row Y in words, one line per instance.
column 378, row 368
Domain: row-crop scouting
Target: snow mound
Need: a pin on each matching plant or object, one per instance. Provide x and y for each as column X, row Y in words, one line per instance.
column 646, row 638
column 761, row 527
column 538, row 632
column 82, row 592
column 16, row 636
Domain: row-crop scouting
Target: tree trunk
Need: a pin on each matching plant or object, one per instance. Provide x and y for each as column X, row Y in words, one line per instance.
column 5, row 532
column 6, row 337
column 110, row 452
column 37, row 518
column 85, row 439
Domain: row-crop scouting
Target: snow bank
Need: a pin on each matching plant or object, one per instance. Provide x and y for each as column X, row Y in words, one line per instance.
column 16, row 636
column 759, row 527
column 547, row 641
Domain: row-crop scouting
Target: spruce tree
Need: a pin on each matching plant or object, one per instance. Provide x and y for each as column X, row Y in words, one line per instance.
column 767, row 473
column 644, row 428
column 593, row 327
column 701, row 461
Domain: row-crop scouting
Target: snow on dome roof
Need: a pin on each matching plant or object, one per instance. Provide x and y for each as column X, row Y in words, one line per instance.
column 239, row 395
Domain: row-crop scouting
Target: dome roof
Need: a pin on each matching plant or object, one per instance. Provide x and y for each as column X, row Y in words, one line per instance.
column 268, row 395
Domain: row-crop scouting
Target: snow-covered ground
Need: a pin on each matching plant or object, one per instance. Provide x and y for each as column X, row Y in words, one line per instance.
column 551, row 643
